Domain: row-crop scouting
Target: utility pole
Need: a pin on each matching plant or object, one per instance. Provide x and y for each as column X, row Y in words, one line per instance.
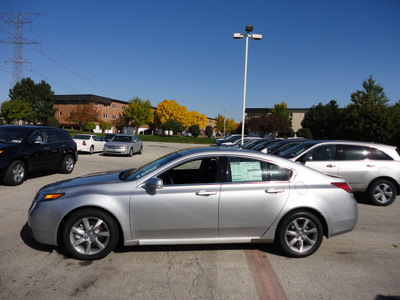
column 18, row 19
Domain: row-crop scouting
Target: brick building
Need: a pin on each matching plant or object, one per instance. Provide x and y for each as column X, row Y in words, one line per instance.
column 109, row 109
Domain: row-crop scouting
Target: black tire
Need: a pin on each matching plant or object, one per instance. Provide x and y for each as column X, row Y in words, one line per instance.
column 68, row 164
column 15, row 174
column 91, row 149
column 130, row 152
column 382, row 192
column 83, row 240
column 300, row 234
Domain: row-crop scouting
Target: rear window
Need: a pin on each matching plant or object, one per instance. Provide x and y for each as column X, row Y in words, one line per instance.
column 379, row 155
column 82, row 137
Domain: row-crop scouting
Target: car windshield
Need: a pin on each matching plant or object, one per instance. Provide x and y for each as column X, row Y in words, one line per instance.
column 81, row 137
column 12, row 135
column 296, row 150
column 135, row 174
column 122, row 138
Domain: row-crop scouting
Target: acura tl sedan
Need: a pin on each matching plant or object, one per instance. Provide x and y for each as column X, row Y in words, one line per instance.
column 195, row 196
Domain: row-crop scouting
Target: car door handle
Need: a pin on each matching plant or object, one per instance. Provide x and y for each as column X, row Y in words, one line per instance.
column 273, row 191
column 370, row 166
column 331, row 166
column 205, row 193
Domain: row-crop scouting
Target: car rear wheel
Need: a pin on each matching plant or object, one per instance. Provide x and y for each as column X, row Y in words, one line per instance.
column 90, row 234
column 91, row 149
column 300, row 234
column 68, row 164
column 15, row 174
column 141, row 150
column 382, row 192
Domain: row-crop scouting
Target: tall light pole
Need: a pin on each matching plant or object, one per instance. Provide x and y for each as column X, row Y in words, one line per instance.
column 224, row 116
column 254, row 36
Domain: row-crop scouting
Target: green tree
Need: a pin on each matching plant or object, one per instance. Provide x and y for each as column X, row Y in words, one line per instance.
column 173, row 125
column 305, row 133
column 323, row 120
column 38, row 96
column 138, row 112
column 209, row 131
column 90, row 126
column 52, row 122
column 15, row 110
column 220, row 123
column 368, row 117
column 195, row 130
column 105, row 126
column 281, row 109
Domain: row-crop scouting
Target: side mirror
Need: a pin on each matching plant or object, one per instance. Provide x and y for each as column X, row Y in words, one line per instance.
column 155, row 183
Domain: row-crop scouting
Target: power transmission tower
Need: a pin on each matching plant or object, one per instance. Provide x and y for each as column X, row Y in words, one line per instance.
column 18, row 19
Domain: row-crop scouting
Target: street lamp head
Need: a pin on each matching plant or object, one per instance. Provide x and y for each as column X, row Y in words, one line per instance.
column 256, row 36
column 237, row 36
column 249, row 28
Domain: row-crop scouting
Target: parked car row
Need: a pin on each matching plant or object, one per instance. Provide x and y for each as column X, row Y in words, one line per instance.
column 113, row 144
column 25, row 149
column 368, row 167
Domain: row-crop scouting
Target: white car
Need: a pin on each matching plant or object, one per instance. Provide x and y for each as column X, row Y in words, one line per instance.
column 367, row 167
column 88, row 143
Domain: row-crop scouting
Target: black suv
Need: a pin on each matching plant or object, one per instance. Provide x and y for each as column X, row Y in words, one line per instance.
column 24, row 149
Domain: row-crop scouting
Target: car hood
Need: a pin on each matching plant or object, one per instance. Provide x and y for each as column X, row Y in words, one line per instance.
column 96, row 178
column 9, row 146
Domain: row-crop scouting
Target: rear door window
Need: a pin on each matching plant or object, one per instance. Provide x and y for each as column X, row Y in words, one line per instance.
column 354, row 152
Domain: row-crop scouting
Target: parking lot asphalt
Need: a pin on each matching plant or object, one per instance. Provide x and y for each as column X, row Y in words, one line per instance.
column 362, row 264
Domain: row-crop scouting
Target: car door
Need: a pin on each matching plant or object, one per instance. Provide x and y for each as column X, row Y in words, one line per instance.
column 98, row 143
column 321, row 158
column 252, row 197
column 186, row 207
column 39, row 151
column 357, row 165
column 136, row 144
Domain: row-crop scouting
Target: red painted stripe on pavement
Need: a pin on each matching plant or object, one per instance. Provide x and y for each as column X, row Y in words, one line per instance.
column 265, row 280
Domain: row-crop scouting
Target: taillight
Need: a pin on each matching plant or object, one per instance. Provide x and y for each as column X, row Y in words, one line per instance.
column 343, row 185
column 84, row 143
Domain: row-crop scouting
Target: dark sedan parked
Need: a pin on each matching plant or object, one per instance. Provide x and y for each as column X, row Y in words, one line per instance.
column 24, row 149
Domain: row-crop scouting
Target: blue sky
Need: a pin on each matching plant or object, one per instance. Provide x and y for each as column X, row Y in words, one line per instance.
column 311, row 51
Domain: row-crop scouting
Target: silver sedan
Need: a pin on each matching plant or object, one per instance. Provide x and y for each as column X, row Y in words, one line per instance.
column 125, row 144
column 195, row 196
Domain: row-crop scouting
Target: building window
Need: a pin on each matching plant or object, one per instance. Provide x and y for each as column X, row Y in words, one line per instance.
column 105, row 116
column 114, row 117
column 105, row 105
column 60, row 113
column 115, row 106
column 123, row 107
column 96, row 104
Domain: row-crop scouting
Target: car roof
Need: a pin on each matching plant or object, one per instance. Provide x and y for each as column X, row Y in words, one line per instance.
column 358, row 143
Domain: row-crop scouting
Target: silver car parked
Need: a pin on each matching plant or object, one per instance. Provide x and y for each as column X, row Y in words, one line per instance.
column 124, row 144
column 195, row 196
column 368, row 167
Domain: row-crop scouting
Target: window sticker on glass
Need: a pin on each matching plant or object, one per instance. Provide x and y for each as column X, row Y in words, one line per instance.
column 246, row 171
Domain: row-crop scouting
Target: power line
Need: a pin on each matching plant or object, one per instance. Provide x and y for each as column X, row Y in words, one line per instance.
column 74, row 61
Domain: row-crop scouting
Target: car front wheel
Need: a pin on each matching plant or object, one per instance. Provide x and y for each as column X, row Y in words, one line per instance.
column 15, row 173
column 300, row 234
column 90, row 234
column 382, row 192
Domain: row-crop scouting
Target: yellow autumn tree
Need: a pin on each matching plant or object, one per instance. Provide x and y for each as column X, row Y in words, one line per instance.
column 171, row 110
